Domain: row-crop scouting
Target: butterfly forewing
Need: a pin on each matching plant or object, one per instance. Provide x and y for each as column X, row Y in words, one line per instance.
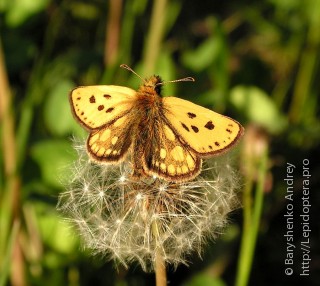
column 96, row 106
column 205, row 131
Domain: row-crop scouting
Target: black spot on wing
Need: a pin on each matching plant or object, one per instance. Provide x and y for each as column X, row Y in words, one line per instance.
column 110, row 109
column 107, row 96
column 185, row 126
column 92, row 99
column 195, row 128
column 228, row 130
column 191, row 115
column 209, row 125
column 100, row 107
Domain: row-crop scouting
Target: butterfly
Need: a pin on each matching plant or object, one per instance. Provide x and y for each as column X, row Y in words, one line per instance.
column 166, row 137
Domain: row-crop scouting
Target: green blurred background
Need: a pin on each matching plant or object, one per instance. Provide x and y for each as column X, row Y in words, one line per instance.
column 256, row 61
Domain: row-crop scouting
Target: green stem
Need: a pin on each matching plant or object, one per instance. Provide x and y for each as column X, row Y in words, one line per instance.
column 111, row 48
column 7, row 262
column 303, row 85
column 10, row 196
column 307, row 71
column 155, row 35
column 252, row 215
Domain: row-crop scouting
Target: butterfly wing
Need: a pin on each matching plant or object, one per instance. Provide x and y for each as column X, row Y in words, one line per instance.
column 106, row 110
column 96, row 106
column 167, row 157
column 111, row 143
column 208, row 133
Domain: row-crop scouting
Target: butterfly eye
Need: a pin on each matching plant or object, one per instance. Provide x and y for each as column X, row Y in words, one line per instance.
column 157, row 89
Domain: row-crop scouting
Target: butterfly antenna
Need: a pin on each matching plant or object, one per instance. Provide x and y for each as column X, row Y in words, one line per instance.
column 177, row 80
column 124, row 66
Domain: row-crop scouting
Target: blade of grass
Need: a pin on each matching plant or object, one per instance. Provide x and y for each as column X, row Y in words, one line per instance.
column 252, row 215
column 112, row 32
column 10, row 197
column 309, row 64
column 4, row 274
column 154, row 38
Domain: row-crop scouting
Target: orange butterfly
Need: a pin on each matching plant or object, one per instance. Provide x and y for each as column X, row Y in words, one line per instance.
column 166, row 137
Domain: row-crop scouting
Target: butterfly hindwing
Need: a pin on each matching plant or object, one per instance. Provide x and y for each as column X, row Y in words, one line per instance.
column 111, row 143
column 170, row 158
column 205, row 131
column 98, row 105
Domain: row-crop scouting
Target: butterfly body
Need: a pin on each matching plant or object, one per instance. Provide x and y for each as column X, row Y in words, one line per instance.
column 166, row 137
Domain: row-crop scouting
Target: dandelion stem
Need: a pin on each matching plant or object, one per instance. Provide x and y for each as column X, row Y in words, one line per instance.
column 160, row 268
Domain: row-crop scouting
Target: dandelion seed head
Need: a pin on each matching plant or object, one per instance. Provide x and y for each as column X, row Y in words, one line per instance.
column 129, row 220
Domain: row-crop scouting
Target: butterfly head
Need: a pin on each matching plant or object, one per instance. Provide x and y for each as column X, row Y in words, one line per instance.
column 155, row 83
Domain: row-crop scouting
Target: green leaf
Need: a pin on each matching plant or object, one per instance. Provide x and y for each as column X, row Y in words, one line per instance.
column 56, row 232
column 60, row 240
column 204, row 279
column 258, row 107
column 20, row 10
column 83, row 10
column 53, row 156
column 203, row 56
column 57, row 112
